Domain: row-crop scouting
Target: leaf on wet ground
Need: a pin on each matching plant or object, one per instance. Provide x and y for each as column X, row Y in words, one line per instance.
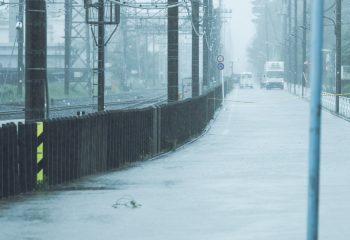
column 127, row 202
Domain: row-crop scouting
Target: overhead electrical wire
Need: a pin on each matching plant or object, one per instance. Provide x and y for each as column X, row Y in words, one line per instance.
column 147, row 5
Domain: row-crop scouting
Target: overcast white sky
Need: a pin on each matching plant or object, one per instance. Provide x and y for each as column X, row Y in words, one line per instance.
column 241, row 29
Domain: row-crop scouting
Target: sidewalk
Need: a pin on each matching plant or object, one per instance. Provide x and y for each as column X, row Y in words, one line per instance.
column 246, row 179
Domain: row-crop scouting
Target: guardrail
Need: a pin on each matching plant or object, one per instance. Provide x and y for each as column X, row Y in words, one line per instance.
column 60, row 150
column 328, row 101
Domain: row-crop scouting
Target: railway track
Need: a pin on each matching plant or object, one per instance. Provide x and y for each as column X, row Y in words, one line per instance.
column 65, row 111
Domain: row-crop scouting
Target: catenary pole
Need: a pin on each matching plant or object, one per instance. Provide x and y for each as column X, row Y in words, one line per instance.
column 35, row 59
column 173, row 51
column 67, row 45
column 195, row 48
column 20, row 40
column 101, row 57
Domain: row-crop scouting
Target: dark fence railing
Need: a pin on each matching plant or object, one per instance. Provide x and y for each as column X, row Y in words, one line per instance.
column 60, row 150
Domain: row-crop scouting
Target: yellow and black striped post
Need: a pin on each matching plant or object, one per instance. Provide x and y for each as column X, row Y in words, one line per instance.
column 40, row 152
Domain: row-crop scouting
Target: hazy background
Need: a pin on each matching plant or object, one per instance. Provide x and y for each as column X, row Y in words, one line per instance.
column 238, row 32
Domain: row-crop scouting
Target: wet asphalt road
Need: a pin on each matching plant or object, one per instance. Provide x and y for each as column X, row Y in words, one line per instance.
column 246, row 179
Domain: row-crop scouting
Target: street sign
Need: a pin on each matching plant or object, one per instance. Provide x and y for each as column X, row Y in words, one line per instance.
column 220, row 58
column 221, row 66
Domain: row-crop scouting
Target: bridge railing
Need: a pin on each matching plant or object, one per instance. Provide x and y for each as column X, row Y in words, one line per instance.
column 61, row 150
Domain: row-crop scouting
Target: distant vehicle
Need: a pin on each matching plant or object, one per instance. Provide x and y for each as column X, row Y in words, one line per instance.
column 235, row 77
column 273, row 75
column 246, row 80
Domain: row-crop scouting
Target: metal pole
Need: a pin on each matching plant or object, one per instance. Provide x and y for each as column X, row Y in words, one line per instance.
column 35, row 59
column 222, row 86
column 101, row 56
column 338, row 33
column 205, row 44
column 304, row 49
column 173, row 51
column 195, row 48
column 315, row 118
column 67, row 45
column 20, row 64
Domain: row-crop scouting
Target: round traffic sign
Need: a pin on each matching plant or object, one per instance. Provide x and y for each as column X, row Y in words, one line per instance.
column 220, row 58
column 221, row 66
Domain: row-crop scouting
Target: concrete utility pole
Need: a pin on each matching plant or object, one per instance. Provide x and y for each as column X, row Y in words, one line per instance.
column 266, row 34
column 284, row 37
column 304, row 49
column 20, row 39
column 67, row 45
column 338, row 29
column 35, row 59
column 205, row 44
column 125, row 53
column 290, row 51
column 210, row 40
column 173, row 51
column 153, row 60
column 101, row 57
column 195, row 48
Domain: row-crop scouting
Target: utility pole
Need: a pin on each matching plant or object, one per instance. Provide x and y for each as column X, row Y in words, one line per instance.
column 20, row 39
column 267, row 34
column 295, row 52
column 304, row 49
column 195, row 48
column 173, row 51
column 67, row 45
column 284, row 37
column 101, row 57
column 290, row 75
column 210, row 40
column 125, row 53
column 338, row 29
column 205, row 44
column 153, row 61
column 35, row 59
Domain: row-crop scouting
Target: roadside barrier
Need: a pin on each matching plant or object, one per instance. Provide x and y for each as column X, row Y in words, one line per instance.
column 328, row 101
column 61, row 150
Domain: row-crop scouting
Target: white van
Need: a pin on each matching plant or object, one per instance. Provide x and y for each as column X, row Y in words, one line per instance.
column 246, row 80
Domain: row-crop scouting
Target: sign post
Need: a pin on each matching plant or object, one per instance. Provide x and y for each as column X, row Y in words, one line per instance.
column 221, row 66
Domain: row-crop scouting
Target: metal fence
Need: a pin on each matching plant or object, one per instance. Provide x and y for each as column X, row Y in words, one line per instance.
column 57, row 151
column 328, row 101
